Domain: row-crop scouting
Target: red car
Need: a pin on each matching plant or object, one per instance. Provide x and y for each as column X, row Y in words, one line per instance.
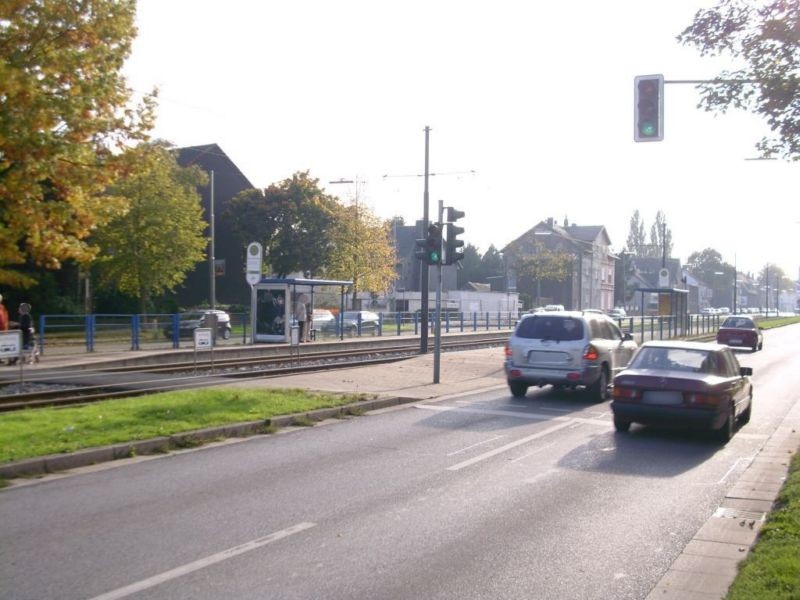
column 740, row 331
column 692, row 384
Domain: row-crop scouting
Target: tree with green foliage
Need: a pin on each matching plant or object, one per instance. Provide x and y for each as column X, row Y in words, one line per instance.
column 772, row 279
column 636, row 240
column 542, row 264
column 293, row 220
column 151, row 247
column 707, row 265
column 470, row 270
column 64, row 116
column 764, row 37
column 660, row 236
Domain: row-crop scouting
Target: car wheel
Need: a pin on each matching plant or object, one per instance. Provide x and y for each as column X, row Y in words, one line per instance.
column 725, row 433
column 621, row 425
column 599, row 389
column 518, row 388
column 761, row 346
column 226, row 334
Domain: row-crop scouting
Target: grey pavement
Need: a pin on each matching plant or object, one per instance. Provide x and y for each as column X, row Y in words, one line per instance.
column 708, row 564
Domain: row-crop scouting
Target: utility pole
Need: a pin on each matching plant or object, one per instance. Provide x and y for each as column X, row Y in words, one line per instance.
column 437, row 345
column 423, row 339
column 212, row 288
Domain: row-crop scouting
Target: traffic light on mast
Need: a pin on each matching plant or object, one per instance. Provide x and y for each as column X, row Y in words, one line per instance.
column 454, row 247
column 648, row 108
column 433, row 244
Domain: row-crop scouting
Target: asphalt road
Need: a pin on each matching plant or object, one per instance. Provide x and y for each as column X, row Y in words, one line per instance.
column 478, row 496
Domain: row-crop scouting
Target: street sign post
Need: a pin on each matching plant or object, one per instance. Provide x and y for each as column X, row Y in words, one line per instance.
column 254, row 258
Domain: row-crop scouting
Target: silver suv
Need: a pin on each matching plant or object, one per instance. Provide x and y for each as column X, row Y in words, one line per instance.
column 566, row 349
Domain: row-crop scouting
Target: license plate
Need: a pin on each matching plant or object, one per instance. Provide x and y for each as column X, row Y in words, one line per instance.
column 662, row 397
column 735, row 341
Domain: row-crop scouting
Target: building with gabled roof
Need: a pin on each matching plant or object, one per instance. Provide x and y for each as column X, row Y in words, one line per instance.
column 231, row 286
column 590, row 277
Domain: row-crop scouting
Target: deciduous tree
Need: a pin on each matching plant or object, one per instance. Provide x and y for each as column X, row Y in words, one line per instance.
column 765, row 37
column 150, row 248
column 362, row 250
column 64, row 114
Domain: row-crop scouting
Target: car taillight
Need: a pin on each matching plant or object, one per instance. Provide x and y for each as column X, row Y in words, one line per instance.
column 703, row 400
column 590, row 353
column 625, row 393
column 508, row 350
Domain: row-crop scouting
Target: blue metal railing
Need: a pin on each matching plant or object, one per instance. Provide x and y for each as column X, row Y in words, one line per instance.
column 122, row 332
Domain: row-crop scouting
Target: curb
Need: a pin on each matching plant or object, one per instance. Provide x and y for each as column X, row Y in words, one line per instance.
column 54, row 463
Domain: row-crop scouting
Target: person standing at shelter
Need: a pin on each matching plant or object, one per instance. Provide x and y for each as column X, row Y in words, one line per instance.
column 3, row 315
column 300, row 315
column 26, row 324
column 309, row 319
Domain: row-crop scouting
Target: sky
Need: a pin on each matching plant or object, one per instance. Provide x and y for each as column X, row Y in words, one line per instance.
column 529, row 104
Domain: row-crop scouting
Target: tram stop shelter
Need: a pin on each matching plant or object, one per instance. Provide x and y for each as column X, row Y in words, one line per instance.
column 272, row 301
column 672, row 303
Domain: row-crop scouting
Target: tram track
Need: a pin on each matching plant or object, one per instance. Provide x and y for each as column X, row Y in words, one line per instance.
column 64, row 388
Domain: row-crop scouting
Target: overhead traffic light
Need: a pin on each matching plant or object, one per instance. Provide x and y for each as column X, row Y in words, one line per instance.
column 433, row 246
column 648, row 108
column 454, row 247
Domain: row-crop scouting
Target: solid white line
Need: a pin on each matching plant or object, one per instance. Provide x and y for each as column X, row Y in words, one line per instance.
column 501, row 449
column 497, row 437
column 202, row 563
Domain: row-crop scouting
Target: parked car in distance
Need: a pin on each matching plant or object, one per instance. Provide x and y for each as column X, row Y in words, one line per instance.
column 617, row 313
column 193, row 320
column 708, row 310
column 566, row 349
column 370, row 322
column 323, row 320
column 741, row 331
column 554, row 307
column 690, row 384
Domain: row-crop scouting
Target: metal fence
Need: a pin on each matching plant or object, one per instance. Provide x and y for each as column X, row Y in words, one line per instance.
column 63, row 334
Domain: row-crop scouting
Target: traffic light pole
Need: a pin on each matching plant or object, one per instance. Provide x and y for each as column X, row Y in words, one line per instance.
column 437, row 345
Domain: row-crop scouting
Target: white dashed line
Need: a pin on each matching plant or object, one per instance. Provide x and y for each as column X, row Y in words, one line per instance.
column 202, row 563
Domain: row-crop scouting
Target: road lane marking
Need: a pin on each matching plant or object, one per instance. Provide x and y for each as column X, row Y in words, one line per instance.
column 488, row 411
column 497, row 437
column 734, row 467
column 202, row 563
column 511, row 413
column 509, row 446
column 532, row 452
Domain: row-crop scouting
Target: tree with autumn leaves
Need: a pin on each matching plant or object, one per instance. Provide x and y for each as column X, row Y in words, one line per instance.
column 65, row 117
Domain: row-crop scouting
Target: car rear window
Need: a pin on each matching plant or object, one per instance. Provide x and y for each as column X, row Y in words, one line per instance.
column 560, row 329
column 739, row 323
column 675, row 359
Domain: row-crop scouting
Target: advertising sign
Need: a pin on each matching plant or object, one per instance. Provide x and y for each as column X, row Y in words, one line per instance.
column 271, row 314
column 203, row 339
column 10, row 343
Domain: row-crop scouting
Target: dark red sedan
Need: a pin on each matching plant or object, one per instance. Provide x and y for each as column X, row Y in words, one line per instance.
column 742, row 332
column 691, row 384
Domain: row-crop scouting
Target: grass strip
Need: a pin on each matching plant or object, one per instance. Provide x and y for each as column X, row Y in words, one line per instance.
column 39, row 432
column 772, row 322
column 772, row 570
